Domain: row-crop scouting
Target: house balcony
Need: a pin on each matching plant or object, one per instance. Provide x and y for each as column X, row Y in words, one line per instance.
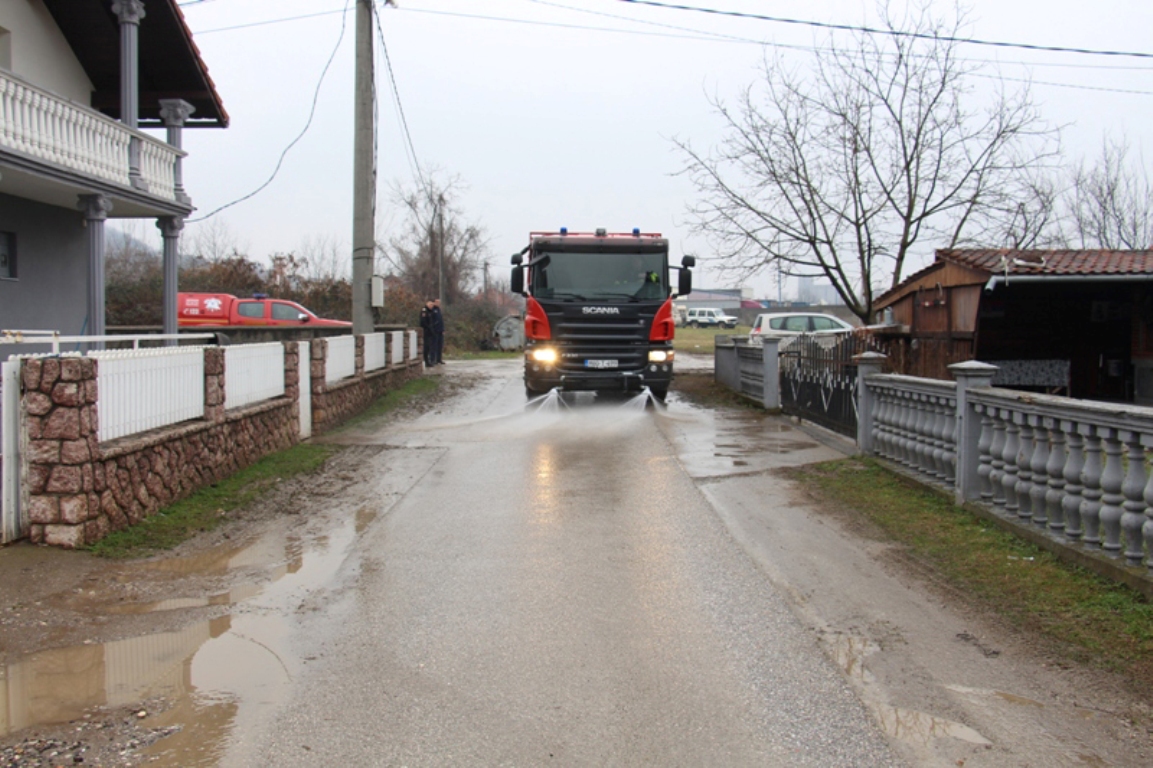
column 53, row 149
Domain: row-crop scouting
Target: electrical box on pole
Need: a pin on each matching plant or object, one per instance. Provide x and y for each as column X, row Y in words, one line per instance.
column 377, row 291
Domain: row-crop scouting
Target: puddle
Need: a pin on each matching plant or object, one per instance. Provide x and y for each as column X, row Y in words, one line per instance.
column 849, row 653
column 719, row 443
column 922, row 728
column 1011, row 698
column 218, row 673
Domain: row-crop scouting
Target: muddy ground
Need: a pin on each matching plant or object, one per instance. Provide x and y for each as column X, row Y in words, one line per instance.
column 51, row 598
column 56, row 599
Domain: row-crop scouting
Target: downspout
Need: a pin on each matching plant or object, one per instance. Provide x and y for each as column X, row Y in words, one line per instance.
column 997, row 280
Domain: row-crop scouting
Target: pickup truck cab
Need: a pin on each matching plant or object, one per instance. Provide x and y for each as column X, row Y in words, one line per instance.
column 222, row 309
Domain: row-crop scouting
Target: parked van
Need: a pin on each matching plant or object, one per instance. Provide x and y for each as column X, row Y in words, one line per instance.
column 222, row 309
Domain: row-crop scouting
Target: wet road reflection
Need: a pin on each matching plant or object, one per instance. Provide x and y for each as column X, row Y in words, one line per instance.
column 215, row 671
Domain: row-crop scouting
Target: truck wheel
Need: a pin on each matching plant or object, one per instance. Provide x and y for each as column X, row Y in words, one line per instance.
column 531, row 393
column 660, row 393
column 694, row 324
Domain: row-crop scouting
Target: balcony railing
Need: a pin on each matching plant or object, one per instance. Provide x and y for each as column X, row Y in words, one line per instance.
column 44, row 126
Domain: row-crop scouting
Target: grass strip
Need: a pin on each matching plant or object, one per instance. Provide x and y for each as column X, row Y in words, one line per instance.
column 488, row 354
column 395, row 398
column 1092, row 619
column 209, row 507
column 704, row 340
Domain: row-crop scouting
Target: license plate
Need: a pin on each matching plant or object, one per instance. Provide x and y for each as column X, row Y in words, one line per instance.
column 601, row 363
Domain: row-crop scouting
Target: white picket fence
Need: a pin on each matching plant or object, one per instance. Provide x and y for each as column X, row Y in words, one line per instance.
column 374, row 352
column 253, row 372
column 341, row 358
column 396, row 342
column 146, row 389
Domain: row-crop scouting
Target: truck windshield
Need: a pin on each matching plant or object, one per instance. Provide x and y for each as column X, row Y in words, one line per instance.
column 601, row 276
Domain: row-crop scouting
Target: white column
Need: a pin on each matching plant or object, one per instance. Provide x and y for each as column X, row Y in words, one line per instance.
column 175, row 112
column 130, row 12
column 96, row 209
column 170, row 227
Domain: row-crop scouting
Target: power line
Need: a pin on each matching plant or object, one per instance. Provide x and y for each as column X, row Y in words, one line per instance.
column 410, row 148
column 890, row 32
column 690, row 33
column 299, row 136
column 706, row 36
column 266, row 22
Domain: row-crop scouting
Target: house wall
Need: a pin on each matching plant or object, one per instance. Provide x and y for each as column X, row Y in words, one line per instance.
column 50, row 288
column 40, row 54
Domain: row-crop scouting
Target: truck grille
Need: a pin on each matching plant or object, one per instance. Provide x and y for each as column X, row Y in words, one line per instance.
column 622, row 337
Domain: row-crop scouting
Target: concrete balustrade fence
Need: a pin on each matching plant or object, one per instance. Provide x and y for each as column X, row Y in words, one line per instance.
column 1071, row 475
column 103, row 441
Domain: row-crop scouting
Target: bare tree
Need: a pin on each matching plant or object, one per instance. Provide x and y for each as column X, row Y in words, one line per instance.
column 437, row 253
column 212, row 240
column 1111, row 203
column 839, row 170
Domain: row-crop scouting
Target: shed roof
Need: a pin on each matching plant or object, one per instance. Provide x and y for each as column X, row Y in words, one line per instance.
column 170, row 62
column 1052, row 262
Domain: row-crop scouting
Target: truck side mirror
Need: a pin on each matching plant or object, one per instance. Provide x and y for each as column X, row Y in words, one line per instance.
column 516, row 283
column 685, row 281
column 302, row 317
column 689, row 261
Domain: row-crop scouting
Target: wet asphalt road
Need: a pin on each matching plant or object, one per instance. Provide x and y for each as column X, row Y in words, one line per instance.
column 554, row 588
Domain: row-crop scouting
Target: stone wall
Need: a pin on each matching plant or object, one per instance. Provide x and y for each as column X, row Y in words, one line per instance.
column 76, row 489
column 335, row 402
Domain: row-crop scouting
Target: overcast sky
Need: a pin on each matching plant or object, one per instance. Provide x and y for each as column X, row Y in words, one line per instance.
column 553, row 115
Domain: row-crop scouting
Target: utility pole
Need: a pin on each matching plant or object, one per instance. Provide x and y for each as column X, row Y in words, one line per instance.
column 363, row 176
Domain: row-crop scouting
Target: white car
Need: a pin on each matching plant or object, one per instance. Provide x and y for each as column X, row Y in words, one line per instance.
column 792, row 323
column 698, row 317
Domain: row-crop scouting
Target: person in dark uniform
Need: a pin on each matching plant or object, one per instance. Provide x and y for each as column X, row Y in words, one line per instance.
column 429, row 336
column 437, row 324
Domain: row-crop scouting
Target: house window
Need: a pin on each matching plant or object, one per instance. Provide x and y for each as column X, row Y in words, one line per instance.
column 8, row 255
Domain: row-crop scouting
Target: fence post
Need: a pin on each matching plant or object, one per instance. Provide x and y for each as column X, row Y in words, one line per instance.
column 771, row 362
column 726, row 368
column 868, row 364
column 969, row 374
column 214, row 392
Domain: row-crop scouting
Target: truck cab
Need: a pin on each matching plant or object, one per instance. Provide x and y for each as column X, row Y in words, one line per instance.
column 598, row 313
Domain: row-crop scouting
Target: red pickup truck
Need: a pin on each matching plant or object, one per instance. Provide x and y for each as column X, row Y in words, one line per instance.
column 222, row 309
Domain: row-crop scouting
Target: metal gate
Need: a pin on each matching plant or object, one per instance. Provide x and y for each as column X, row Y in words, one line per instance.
column 819, row 378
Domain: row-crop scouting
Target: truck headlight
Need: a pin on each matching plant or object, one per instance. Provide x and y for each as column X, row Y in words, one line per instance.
column 544, row 355
column 660, row 355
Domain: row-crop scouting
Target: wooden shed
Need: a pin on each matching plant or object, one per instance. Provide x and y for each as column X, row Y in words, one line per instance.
column 1077, row 322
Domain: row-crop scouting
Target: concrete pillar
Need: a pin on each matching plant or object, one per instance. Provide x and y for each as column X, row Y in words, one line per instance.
column 771, row 390
column 96, row 209
column 175, row 112
column 130, row 12
column 969, row 375
column 868, row 364
column 170, row 227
